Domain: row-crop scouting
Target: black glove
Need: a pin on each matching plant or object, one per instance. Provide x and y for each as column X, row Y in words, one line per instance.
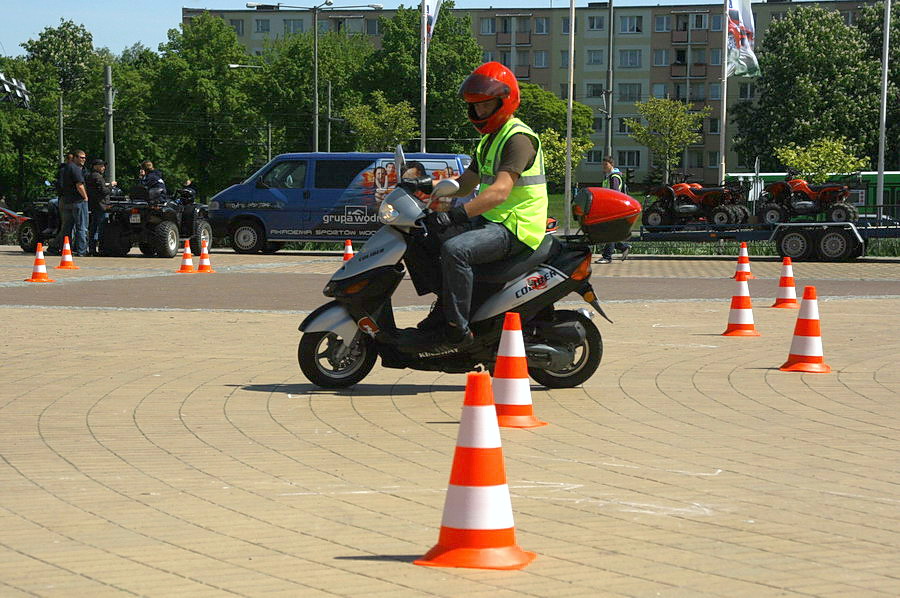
column 440, row 221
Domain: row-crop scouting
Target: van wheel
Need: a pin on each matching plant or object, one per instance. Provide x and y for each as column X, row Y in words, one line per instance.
column 248, row 237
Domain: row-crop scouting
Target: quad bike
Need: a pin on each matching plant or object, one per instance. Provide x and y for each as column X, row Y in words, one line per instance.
column 42, row 224
column 685, row 202
column 155, row 221
column 783, row 200
column 342, row 339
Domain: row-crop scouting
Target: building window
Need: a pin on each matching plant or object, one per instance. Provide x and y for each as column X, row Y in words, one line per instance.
column 660, row 90
column 565, row 26
column 540, row 25
column 712, row 126
column 562, row 91
column 505, row 58
column 540, row 59
column 629, row 92
column 777, row 16
column 262, row 25
column 716, row 23
column 523, row 57
column 630, row 158
column 695, row 159
column 662, row 23
column 746, row 91
column 594, row 156
column 660, row 58
column 623, row 127
column 292, row 26
column 504, row 25
column 849, row 17
column 715, row 91
column 324, row 26
column 715, row 56
column 595, row 56
column 631, row 24
column 629, row 59
column 698, row 92
column 237, row 25
column 564, row 58
column 698, row 56
column 523, row 25
column 595, row 90
column 712, row 159
column 596, row 23
column 700, row 21
column 680, row 91
column 488, row 26
column 680, row 56
column 598, row 124
column 487, row 56
column 373, row 26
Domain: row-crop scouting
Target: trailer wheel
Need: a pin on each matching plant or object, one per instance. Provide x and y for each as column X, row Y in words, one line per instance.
column 837, row 245
column 799, row 245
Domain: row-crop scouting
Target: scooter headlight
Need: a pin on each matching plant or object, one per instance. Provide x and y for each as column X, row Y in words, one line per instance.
column 387, row 214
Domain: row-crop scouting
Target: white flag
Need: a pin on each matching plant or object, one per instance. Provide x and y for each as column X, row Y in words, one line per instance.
column 431, row 14
column 741, row 58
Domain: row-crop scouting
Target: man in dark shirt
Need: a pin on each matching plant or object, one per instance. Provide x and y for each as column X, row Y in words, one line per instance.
column 74, row 205
column 98, row 193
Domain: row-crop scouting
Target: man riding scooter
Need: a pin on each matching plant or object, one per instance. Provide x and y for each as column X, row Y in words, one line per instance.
column 507, row 217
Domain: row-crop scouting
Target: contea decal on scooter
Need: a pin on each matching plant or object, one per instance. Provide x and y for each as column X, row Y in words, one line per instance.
column 536, row 283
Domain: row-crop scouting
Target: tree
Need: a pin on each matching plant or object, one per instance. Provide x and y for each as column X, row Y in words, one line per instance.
column 821, row 157
column 542, row 110
column 871, row 25
column 379, row 126
column 670, row 127
column 554, row 147
column 452, row 55
column 817, row 80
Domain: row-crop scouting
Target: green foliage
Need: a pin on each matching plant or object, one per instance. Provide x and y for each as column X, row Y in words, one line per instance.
column 67, row 48
column 379, row 125
column 870, row 24
column 817, row 80
column 542, row 110
column 667, row 127
column 821, row 157
column 554, row 147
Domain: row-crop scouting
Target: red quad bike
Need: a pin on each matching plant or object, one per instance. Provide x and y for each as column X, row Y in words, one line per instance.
column 783, row 200
column 686, row 202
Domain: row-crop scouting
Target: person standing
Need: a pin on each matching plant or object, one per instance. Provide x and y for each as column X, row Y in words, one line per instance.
column 74, row 205
column 98, row 191
column 613, row 179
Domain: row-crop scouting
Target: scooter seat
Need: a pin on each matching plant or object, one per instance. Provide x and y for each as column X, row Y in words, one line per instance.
column 508, row 269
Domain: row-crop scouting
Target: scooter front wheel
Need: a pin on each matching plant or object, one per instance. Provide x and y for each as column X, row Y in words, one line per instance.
column 586, row 357
column 326, row 362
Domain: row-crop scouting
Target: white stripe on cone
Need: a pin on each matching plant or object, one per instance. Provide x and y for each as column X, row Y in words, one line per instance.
column 512, row 391
column 511, row 344
column 809, row 310
column 808, row 346
column 481, row 430
column 478, row 507
column 740, row 316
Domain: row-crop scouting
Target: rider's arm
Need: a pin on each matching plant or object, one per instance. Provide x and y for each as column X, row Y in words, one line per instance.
column 468, row 180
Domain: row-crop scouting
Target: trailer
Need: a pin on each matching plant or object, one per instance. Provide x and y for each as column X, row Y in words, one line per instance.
column 800, row 241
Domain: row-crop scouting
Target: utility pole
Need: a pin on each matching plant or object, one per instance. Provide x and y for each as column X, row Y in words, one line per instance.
column 723, row 109
column 882, row 117
column 62, row 149
column 328, row 124
column 110, row 139
column 609, row 83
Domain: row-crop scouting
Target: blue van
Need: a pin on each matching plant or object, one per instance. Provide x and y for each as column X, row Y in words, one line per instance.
column 315, row 197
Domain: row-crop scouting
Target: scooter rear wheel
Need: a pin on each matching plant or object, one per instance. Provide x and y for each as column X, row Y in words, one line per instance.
column 586, row 361
column 320, row 359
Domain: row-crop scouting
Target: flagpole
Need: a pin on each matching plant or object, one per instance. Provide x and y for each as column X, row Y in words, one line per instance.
column 423, row 68
column 723, row 109
column 569, row 106
column 882, row 118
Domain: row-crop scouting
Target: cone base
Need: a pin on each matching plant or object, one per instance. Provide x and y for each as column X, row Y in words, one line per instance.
column 741, row 333
column 67, row 268
column 209, row 271
column 185, row 271
column 802, row 366
column 507, row 557
column 786, row 304
column 743, row 276
column 39, row 280
column 519, row 421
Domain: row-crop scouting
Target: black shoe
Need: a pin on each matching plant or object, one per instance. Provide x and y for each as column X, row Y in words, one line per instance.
column 603, row 260
column 455, row 340
column 435, row 318
column 625, row 253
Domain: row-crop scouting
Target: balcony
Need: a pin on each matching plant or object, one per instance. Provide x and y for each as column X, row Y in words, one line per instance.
column 523, row 38
column 680, row 71
column 698, row 36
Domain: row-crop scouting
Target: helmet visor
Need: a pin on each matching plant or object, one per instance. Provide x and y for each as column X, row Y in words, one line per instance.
column 478, row 88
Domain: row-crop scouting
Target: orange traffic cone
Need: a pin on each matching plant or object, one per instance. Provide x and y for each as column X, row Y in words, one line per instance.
column 740, row 318
column 743, row 264
column 512, row 390
column 806, row 347
column 787, row 296
column 66, row 262
column 477, row 529
column 348, row 250
column 39, row 273
column 204, row 265
column 187, row 260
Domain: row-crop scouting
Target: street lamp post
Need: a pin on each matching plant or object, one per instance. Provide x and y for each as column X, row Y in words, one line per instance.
column 315, row 11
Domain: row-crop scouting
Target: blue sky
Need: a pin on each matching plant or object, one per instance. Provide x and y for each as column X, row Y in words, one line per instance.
column 117, row 24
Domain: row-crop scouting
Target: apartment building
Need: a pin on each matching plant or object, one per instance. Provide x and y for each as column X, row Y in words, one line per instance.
column 673, row 51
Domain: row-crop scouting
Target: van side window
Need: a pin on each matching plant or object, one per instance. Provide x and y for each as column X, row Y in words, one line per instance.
column 338, row 174
column 290, row 174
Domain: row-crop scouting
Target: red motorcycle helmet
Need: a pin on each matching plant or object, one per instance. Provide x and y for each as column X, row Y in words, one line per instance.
column 491, row 80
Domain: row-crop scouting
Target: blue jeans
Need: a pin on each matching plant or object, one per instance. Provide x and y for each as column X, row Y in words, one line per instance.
column 74, row 215
column 611, row 248
column 483, row 242
column 98, row 219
